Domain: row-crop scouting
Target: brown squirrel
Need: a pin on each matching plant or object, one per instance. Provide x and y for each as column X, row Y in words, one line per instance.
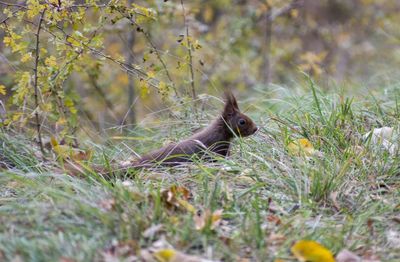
column 216, row 138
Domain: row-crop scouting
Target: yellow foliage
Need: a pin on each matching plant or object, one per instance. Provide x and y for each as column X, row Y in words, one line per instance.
column 208, row 219
column 3, row 90
column 306, row 250
column 312, row 62
column 144, row 88
column 51, row 61
column 301, row 146
column 151, row 74
column 62, row 151
column 26, row 57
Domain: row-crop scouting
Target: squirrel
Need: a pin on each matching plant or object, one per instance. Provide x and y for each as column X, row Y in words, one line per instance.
column 215, row 138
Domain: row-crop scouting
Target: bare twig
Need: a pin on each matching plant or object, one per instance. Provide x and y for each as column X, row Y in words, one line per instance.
column 189, row 47
column 11, row 4
column 159, row 57
column 148, row 38
column 128, row 68
column 37, row 52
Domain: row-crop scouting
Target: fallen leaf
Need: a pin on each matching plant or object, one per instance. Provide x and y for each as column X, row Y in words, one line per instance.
column 177, row 196
column 301, row 147
column 171, row 255
column 68, row 152
column 274, row 219
column 393, row 238
column 275, row 239
column 206, row 219
column 333, row 197
column 307, row 250
column 347, row 256
column 152, row 231
column 121, row 251
column 107, row 204
column 385, row 137
column 165, row 255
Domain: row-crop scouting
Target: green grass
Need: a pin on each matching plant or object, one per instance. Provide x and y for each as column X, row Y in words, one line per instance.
column 345, row 197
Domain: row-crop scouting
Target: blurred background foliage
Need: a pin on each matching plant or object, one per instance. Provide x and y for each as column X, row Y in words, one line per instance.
column 107, row 63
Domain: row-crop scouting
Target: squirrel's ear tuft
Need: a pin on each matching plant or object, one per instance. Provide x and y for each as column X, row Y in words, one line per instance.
column 231, row 105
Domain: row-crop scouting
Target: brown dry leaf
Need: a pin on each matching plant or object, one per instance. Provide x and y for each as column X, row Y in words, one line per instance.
column 333, row 197
column 107, row 204
column 122, row 251
column 274, row 219
column 64, row 151
column 275, row 239
column 177, row 196
column 206, row 219
column 80, row 155
column 347, row 256
column 152, row 231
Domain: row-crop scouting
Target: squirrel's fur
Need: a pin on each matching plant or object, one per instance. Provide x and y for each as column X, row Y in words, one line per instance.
column 215, row 138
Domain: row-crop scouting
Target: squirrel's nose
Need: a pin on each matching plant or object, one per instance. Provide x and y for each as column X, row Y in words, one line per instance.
column 255, row 129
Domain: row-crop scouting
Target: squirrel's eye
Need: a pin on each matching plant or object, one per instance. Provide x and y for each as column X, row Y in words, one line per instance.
column 242, row 122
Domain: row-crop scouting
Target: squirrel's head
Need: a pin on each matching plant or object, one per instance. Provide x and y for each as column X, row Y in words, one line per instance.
column 237, row 122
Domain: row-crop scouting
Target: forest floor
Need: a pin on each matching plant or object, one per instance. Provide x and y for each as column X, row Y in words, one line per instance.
column 337, row 188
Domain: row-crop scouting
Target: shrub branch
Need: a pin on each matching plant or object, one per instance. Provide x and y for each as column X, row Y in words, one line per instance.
column 35, row 84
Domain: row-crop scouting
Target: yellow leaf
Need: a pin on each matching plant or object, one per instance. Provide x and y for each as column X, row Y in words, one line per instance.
column 51, row 61
column 177, row 196
column 43, row 51
column 3, row 90
column 186, row 205
column 306, row 250
column 26, row 57
column 53, row 141
column 301, row 146
column 294, row 13
column 151, row 74
column 144, row 88
column 165, row 255
column 61, row 121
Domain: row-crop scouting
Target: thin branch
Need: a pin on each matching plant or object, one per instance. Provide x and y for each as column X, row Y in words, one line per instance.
column 189, row 44
column 8, row 17
column 161, row 61
column 128, row 68
column 38, row 125
column 131, row 83
column 159, row 57
column 11, row 4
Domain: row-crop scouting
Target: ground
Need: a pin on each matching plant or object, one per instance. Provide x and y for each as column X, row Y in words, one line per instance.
column 341, row 191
